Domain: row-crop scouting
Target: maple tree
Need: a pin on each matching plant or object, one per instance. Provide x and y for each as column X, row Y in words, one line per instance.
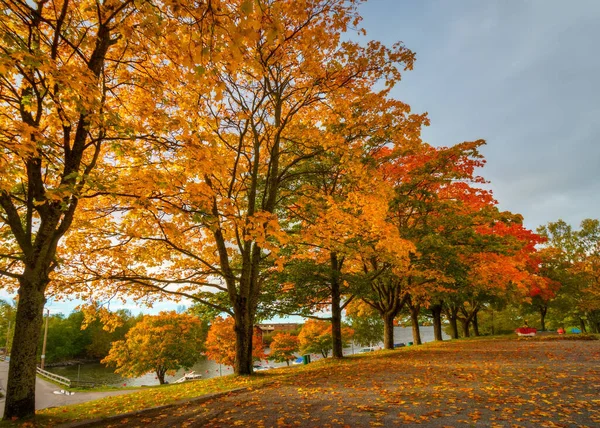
column 215, row 219
column 79, row 91
column 315, row 337
column 431, row 186
column 284, row 348
column 162, row 344
column 366, row 323
column 59, row 63
column 221, row 342
column 340, row 213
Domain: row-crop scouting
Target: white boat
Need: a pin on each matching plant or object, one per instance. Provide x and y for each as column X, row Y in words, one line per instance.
column 189, row 376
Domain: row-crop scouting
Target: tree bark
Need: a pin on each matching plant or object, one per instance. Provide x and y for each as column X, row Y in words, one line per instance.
column 453, row 328
column 436, row 312
column 244, row 328
column 543, row 311
column 20, row 391
column 388, row 331
column 415, row 309
column 582, row 325
column 336, row 310
column 465, row 326
column 475, row 323
column 160, row 374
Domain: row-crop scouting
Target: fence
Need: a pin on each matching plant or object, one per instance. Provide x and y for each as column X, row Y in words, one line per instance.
column 60, row 379
column 56, row 378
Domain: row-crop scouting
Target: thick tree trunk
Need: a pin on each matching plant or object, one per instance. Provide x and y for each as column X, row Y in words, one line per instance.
column 543, row 310
column 465, row 326
column 453, row 326
column 436, row 312
column 414, row 317
column 336, row 311
column 475, row 323
column 20, row 392
column 244, row 328
column 388, row 331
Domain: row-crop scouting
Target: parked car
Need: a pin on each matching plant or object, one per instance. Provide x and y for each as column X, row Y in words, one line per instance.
column 363, row 350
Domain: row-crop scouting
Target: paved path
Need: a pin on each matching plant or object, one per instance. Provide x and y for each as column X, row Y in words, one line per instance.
column 45, row 396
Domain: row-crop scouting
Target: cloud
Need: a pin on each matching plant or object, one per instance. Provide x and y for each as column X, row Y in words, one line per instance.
column 523, row 76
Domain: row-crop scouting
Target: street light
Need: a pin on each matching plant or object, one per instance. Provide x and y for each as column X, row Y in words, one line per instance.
column 45, row 339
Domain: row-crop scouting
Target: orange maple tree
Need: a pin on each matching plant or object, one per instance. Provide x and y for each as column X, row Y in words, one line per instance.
column 284, row 347
column 220, row 342
column 161, row 344
column 208, row 215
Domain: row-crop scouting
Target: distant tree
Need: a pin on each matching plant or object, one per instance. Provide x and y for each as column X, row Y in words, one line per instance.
column 284, row 347
column 162, row 344
column 8, row 313
column 315, row 337
column 220, row 342
column 368, row 329
column 101, row 339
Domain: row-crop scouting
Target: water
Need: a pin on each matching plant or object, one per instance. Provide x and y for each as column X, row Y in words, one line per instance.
column 404, row 335
column 100, row 374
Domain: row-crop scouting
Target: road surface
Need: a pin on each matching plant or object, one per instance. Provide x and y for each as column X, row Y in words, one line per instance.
column 45, row 396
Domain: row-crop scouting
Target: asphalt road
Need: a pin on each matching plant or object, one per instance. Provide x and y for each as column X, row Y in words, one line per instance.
column 45, row 393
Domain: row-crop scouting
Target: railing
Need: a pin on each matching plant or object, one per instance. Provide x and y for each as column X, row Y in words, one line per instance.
column 56, row 378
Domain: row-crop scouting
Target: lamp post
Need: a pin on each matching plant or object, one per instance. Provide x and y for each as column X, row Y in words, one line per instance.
column 45, row 339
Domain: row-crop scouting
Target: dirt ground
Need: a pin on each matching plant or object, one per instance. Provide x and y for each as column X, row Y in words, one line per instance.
column 512, row 383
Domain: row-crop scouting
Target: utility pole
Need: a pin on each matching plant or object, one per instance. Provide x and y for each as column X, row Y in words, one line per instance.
column 7, row 339
column 45, row 339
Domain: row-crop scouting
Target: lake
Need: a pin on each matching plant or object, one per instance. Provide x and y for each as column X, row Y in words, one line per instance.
column 101, row 374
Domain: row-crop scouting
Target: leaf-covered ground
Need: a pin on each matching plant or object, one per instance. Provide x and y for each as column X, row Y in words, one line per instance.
column 484, row 382
column 503, row 383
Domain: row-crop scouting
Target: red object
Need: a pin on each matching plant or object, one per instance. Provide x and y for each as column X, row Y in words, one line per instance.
column 561, row 331
column 526, row 331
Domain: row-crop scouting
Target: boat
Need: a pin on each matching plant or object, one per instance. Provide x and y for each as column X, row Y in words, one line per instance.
column 189, row 376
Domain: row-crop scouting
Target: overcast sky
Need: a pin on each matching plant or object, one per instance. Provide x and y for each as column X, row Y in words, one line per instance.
column 522, row 74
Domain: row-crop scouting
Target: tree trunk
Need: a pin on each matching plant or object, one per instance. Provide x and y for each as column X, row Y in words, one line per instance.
column 582, row 325
column 244, row 328
column 465, row 326
column 20, row 391
column 388, row 331
column 543, row 310
column 436, row 312
column 160, row 374
column 452, row 314
column 475, row 323
column 337, row 350
column 414, row 317
column 453, row 328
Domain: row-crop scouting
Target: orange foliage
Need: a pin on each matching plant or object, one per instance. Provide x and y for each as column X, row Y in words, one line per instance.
column 221, row 339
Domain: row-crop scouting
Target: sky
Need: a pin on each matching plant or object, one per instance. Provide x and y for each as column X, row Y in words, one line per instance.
column 522, row 74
